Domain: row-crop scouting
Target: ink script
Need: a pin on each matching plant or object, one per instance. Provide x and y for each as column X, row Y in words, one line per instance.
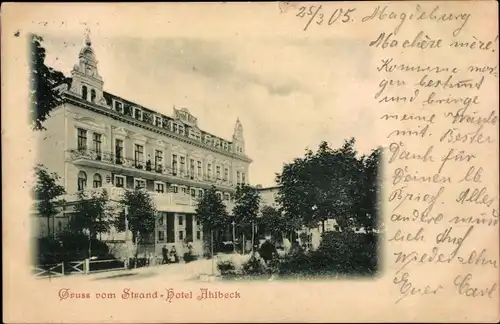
column 437, row 97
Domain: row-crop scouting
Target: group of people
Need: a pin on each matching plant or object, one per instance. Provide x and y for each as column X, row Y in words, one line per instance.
column 169, row 256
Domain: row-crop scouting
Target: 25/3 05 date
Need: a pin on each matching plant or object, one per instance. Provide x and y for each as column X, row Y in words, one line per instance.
column 315, row 13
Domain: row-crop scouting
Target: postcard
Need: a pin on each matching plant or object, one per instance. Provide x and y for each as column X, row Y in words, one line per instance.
column 250, row 162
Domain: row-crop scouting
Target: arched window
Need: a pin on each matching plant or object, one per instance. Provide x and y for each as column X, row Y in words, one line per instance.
column 84, row 92
column 82, row 180
column 97, row 180
column 92, row 95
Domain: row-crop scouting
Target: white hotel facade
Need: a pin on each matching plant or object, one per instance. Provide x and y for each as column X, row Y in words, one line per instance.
column 95, row 140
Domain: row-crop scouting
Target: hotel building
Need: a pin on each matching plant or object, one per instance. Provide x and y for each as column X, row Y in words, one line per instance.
column 95, row 139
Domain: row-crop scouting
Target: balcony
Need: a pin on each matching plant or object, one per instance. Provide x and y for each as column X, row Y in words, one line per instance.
column 170, row 201
column 147, row 169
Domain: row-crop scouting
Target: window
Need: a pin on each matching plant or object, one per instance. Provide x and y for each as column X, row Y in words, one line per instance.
column 175, row 127
column 82, row 140
column 161, row 220
column 159, row 187
column 161, row 236
column 97, row 180
column 208, row 139
column 97, row 145
column 194, row 134
column 193, row 192
column 82, row 180
column 238, row 177
column 181, row 129
column 181, row 219
column 119, row 181
column 158, row 160
column 183, row 164
column 191, row 167
column 200, row 193
column 174, row 164
column 119, row 151
column 181, row 235
column 209, row 170
column 138, row 155
column 225, row 146
column 92, row 95
column 199, row 169
column 226, row 174
column 137, row 113
column 175, row 189
column 84, row 92
column 217, row 170
column 227, row 196
column 198, row 235
column 243, row 178
column 118, row 106
column 184, row 190
column 219, row 195
column 158, row 121
column 139, row 183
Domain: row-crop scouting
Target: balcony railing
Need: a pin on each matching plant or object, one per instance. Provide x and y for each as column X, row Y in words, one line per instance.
column 148, row 166
column 162, row 200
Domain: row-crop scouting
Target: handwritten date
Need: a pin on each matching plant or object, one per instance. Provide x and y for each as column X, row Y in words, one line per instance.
column 316, row 14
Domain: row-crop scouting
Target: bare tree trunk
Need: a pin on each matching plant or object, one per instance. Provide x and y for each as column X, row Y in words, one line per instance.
column 212, row 250
column 90, row 245
column 253, row 236
column 136, row 248
column 243, row 244
column 48, row 227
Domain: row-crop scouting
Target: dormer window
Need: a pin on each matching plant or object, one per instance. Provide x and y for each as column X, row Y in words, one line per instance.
column 181, row 130
column 208, row 139
column 137, row 113
column 194, row 134
column 226, row 146
column 118, row 106
column 175, row 128
column 158, row 121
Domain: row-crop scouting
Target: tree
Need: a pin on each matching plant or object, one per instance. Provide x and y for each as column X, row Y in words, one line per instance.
column 141, row 214
column 93, row 213
column 368, row 207
column 43, row 97
column 46, row 193
column 212, row 214
column 322, row 185
column 276, row 223
column 246, row 209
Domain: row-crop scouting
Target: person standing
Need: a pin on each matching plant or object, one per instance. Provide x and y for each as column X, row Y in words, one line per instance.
column 164, row 252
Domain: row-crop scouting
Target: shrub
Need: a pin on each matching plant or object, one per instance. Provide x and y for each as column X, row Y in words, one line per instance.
column 226, row 267
column 189, row 256
column 254, row 266
column 344, row 253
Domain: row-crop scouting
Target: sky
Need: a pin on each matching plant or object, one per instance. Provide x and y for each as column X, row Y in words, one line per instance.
column 289, row 94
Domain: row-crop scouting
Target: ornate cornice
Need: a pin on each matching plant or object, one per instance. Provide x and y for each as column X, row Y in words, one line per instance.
column 70, row 97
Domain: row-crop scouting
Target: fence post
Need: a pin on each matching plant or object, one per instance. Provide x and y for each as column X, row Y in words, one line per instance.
column 87, row 266
column 62, row 268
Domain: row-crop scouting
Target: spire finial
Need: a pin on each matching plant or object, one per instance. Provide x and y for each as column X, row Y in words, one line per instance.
column 87, row 37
